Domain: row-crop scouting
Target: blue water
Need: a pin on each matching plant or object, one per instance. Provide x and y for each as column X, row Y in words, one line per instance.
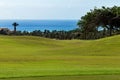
column 31, row 25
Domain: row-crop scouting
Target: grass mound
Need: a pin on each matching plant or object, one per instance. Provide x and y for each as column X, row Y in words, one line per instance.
column 24, row 56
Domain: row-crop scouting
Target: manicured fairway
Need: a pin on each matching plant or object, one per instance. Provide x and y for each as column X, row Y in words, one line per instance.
column 33, row 57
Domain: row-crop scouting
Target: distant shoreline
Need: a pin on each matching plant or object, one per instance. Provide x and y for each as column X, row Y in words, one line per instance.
column 31, row 25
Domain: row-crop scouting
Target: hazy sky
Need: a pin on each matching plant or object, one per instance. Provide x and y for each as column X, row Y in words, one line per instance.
column 50, row 9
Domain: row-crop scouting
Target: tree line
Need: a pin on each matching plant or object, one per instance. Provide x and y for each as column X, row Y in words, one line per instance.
column 97, row 23
column 62, row 35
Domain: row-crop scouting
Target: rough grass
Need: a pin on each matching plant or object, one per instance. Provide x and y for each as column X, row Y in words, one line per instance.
column 27, row 56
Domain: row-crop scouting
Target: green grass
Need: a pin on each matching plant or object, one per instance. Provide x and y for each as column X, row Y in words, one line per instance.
column 28, row 56
column 87, row 77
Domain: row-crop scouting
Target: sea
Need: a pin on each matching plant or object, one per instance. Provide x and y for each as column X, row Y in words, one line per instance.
column 31, row 25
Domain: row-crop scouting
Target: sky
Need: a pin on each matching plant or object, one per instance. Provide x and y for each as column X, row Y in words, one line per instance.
column 50, row 9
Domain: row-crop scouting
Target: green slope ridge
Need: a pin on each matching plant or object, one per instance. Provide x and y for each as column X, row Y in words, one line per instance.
column 24, row 56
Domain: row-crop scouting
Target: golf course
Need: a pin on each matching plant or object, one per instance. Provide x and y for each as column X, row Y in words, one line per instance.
column 36, row 58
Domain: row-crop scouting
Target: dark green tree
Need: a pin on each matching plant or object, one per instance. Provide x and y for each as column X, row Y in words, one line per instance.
column 104, row 17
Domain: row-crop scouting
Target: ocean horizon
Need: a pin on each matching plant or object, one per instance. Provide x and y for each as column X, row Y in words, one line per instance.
column 31, row 25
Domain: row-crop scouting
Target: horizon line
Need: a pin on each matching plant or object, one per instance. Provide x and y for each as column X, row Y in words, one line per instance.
column 39, row 19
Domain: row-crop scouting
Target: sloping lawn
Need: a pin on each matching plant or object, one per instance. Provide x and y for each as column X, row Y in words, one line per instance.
column 28, row 56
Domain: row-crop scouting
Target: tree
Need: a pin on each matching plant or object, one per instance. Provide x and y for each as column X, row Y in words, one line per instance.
column 104, row 17
column 15, row 25
column 115, row 23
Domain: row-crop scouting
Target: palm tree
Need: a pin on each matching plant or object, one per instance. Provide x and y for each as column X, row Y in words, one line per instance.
column 15, row 25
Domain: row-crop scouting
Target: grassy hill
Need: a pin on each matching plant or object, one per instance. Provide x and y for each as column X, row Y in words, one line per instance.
column 28, row 56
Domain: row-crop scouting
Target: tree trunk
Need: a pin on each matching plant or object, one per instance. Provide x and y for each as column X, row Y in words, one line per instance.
column 111, row 31
column 14, row 29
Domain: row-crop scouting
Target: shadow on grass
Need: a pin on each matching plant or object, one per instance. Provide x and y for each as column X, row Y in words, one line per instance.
column 82, row 77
